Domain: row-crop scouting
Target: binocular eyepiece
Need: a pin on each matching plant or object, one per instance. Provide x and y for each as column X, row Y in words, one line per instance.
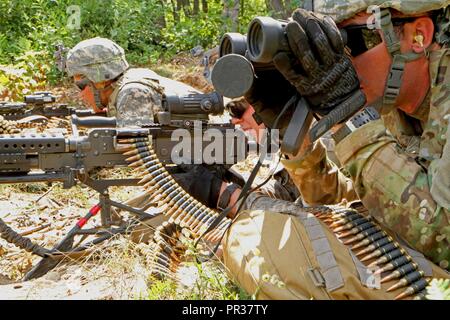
column 242, row 55
column 264, row 39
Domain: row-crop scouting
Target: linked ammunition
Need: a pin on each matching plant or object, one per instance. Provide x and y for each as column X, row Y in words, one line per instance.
column 357, row 229
column 369, row 239
column 388, row 257
column 394, row 264
column 382, row 250
column 378, row 243
column 346, row 219
column 412, row 289
column 400, row 272
column 362, row 235
column 406, row 280
column 351, row 224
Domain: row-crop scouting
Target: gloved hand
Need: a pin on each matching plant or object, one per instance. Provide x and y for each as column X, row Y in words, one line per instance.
column 317, row 67
column 268, row 95
column 200, row 183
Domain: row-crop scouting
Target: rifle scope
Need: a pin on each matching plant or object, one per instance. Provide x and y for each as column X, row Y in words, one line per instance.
column 195, row 103
column 40, row 98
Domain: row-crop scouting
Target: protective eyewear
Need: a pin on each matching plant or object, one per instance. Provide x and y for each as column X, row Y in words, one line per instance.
column 236, row 109
column 360, row 38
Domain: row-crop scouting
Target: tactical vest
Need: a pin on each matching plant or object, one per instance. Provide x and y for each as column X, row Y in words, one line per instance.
column 142, row 76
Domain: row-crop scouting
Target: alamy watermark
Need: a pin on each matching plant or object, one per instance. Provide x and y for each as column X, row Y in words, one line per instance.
column 74, row 18
column 212, row 145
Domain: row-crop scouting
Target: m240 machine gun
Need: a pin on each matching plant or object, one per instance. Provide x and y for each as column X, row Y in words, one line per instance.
column 52, row 157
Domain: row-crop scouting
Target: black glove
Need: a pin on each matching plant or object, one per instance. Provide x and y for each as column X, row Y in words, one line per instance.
column 200, row 183
column 268, row 95
column 317, row 67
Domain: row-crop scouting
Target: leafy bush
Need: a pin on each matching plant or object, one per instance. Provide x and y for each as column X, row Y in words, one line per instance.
column 146, row 29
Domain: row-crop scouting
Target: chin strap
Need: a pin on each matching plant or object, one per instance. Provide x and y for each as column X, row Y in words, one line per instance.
column 394, row 80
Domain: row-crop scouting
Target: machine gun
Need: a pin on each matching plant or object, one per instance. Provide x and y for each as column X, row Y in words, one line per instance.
column 39, row 104
column 53, row 157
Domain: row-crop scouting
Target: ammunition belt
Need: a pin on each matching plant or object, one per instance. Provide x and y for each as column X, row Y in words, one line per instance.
column 184, row 212
column 170, row 242
column 375, row 248
column 8, row 126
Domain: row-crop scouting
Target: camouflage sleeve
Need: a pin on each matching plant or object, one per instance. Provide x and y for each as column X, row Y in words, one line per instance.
column 137, row 104
column 318, row 179
column 396, row 190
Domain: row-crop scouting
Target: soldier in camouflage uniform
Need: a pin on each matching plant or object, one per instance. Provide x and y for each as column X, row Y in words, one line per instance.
column 398, row 166
column 107, row 83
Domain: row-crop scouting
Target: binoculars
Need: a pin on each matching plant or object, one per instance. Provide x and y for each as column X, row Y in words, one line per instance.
column 243, row 55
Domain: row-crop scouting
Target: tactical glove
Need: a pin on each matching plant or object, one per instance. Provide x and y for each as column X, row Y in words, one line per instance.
column 317, row 67
column 200, row 183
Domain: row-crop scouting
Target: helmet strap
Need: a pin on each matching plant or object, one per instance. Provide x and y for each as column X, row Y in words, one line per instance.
column 97, row 97
column 394, row 80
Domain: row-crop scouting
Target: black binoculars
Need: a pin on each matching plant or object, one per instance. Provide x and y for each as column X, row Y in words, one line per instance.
column 242, row 55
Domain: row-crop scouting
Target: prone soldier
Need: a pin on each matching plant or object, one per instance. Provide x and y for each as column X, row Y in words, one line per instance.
column 397, row 165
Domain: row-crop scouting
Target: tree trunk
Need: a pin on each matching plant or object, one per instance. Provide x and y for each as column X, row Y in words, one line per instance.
column 187, row 8
column 175, row 11
column 205, row 6
column 231, row 11
column 161, row 21
column 196, row 7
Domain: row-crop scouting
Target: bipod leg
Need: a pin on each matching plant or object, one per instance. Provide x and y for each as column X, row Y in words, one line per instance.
column 106, row 209
column 48, row 263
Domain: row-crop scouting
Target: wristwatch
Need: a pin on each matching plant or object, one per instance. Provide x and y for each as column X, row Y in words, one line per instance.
column 361, row 118
column 225, row 197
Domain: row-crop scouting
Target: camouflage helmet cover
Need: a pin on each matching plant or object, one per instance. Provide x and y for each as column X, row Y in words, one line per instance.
column 98, row 59
column 340, row 10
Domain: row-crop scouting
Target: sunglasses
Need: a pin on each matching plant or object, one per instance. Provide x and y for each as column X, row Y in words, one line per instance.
column 236, row 109
column 81, row 84
column 361, row 38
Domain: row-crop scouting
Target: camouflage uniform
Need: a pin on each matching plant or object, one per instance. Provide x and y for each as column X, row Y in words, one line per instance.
column 136, row 99
column 401, row 177
column 137, row 94
column 279, row 251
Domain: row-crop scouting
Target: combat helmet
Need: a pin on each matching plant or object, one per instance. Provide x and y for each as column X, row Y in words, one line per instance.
column 341, row 10
column 98, row 59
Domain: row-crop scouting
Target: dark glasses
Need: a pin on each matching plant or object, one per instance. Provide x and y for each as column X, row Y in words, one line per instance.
column 236, row 109
column 81, row 84
column 360, row 39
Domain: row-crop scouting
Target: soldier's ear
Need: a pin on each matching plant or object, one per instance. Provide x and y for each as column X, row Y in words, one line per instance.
column 420, row 34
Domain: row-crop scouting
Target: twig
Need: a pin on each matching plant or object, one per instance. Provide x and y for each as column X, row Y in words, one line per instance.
column 28, row 232
column 45, row 193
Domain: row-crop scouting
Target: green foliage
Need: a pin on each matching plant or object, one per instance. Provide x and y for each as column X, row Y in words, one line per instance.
column 146, row 29
column 439, row 289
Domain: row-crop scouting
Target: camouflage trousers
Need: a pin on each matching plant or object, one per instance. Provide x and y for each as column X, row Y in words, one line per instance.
column 283, row 251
